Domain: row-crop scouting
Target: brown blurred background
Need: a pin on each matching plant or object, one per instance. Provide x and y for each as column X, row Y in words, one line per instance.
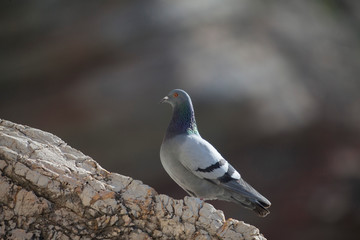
column 275, row 85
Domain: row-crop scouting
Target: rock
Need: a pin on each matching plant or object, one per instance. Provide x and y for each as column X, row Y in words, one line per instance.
column 49, row 190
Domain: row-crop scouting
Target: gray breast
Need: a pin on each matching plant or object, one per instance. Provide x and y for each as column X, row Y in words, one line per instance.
column 192, row 184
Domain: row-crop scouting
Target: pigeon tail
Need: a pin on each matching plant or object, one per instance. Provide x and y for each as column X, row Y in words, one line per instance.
column 246, row 195
column 257, row 206
column 260, row 209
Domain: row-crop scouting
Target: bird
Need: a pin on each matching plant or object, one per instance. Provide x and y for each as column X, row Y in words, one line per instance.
column 196, row 166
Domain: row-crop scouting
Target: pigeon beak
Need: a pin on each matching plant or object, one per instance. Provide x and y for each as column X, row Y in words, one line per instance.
column 164, row 99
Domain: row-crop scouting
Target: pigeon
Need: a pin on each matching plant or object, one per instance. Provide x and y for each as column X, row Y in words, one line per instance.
column 196, row 166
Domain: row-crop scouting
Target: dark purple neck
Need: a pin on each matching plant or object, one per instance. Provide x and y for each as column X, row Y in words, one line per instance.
column 183, row 121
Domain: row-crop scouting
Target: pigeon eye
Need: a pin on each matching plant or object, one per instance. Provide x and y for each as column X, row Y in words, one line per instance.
column 175, row 94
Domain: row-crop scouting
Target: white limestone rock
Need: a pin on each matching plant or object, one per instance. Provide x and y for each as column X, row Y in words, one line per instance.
column 63, row 194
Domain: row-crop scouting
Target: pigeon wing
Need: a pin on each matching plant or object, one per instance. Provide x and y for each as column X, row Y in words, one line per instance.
column 204, row 161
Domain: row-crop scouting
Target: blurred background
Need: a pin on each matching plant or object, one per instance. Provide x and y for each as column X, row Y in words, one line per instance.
column 275, row 86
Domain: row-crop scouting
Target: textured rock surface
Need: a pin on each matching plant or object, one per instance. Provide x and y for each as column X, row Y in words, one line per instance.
column 49, row 190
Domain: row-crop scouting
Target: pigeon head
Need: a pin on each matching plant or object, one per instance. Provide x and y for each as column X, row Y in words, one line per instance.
column 183, row 119
column 176, row 98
